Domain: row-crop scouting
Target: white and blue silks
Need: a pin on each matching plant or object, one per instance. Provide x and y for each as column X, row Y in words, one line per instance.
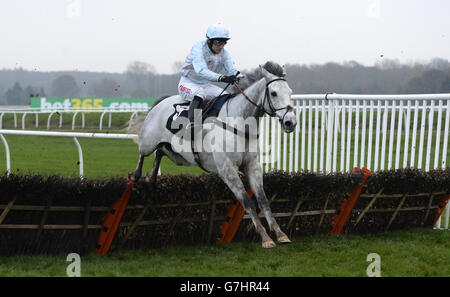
column 201, row 67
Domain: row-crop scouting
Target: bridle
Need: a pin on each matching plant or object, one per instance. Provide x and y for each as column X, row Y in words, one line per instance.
column 267, row 97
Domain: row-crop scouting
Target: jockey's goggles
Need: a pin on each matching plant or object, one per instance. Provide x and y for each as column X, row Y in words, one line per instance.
column 219, row 41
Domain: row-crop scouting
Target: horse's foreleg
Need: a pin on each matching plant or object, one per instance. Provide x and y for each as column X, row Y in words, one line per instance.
column 232, row 180
column 255, row 177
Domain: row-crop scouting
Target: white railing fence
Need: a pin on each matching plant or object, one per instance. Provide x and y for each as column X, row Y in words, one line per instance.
column 340, row 132
column 380, row 132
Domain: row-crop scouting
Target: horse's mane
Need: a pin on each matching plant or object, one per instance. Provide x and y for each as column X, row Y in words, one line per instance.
column 254, row 75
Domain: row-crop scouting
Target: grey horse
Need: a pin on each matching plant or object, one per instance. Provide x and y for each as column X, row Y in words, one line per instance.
column 222, row 150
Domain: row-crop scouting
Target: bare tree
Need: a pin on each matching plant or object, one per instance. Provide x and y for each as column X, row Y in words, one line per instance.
column 107, row 88
column 176, row 66
column 65, row 86
column 138, row 72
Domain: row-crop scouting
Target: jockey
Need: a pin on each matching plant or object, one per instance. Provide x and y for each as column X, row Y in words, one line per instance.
column 207, row 62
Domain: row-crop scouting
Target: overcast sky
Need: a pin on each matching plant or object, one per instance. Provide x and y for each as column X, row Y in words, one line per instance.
column 105, row 35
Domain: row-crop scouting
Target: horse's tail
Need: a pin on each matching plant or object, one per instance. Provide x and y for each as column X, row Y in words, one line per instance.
column 135, row 124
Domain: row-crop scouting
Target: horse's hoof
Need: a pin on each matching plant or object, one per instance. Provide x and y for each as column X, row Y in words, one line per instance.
column 268, row 244
column 283, row 239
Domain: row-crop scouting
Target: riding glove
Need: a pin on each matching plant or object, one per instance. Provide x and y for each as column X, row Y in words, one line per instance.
column 228, row 79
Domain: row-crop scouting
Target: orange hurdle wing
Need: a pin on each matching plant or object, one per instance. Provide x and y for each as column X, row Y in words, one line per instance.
column 232, row 224
column 345, row 209
column 112, row 221
column 226, row 224
column 442, row 205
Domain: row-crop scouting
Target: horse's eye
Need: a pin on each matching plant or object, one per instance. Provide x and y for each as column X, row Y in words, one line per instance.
column 274, row 94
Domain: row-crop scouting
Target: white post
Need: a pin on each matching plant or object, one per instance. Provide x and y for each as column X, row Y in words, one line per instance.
column 363, row 135
column 322, row 136
column 295, row 137
column 303, row 147
column 422, row 134
column 23, row 120
column 349, row 136
column 330, row 132
column 377, row 137
column 343, row 131
column 316, row 137
column 101, row 120
column 384, row 136
column 391, row 136
column 369, row 142
column 49, row 119
column 430, row 136
column 438, row 136
column 1, row 120
column 414, row 134
column 355, row 155
column 407, row 124
column 399, row 136
column 8, row 156
column 447, row 124
column 80, row 157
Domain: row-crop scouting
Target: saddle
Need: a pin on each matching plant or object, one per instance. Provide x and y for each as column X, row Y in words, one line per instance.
column 211, row 108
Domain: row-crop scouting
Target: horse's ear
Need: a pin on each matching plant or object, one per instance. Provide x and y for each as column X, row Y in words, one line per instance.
column 264, row 72
column 284, row 70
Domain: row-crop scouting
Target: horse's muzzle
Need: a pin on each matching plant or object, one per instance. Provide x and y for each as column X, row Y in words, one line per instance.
column 289, row 122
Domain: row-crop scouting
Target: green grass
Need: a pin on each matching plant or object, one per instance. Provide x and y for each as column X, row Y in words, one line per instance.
column 419, row 252
column 103, row 158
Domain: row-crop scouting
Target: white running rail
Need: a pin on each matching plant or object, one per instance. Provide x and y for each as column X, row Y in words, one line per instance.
column 24, row 111
column 338, row 132
column 73, row 135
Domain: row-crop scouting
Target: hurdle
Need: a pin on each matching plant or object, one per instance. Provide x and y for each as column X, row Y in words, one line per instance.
column 112, row 220
column 343, row 212
column 232, row 220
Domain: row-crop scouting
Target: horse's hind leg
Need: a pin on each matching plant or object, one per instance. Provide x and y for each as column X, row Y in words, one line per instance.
column 136, row 175
column 158, row 156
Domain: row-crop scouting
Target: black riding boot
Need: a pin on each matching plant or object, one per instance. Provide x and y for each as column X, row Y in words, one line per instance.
column 196, row 103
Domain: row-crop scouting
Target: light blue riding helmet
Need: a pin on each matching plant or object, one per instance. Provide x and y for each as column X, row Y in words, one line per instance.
column 218, row 30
